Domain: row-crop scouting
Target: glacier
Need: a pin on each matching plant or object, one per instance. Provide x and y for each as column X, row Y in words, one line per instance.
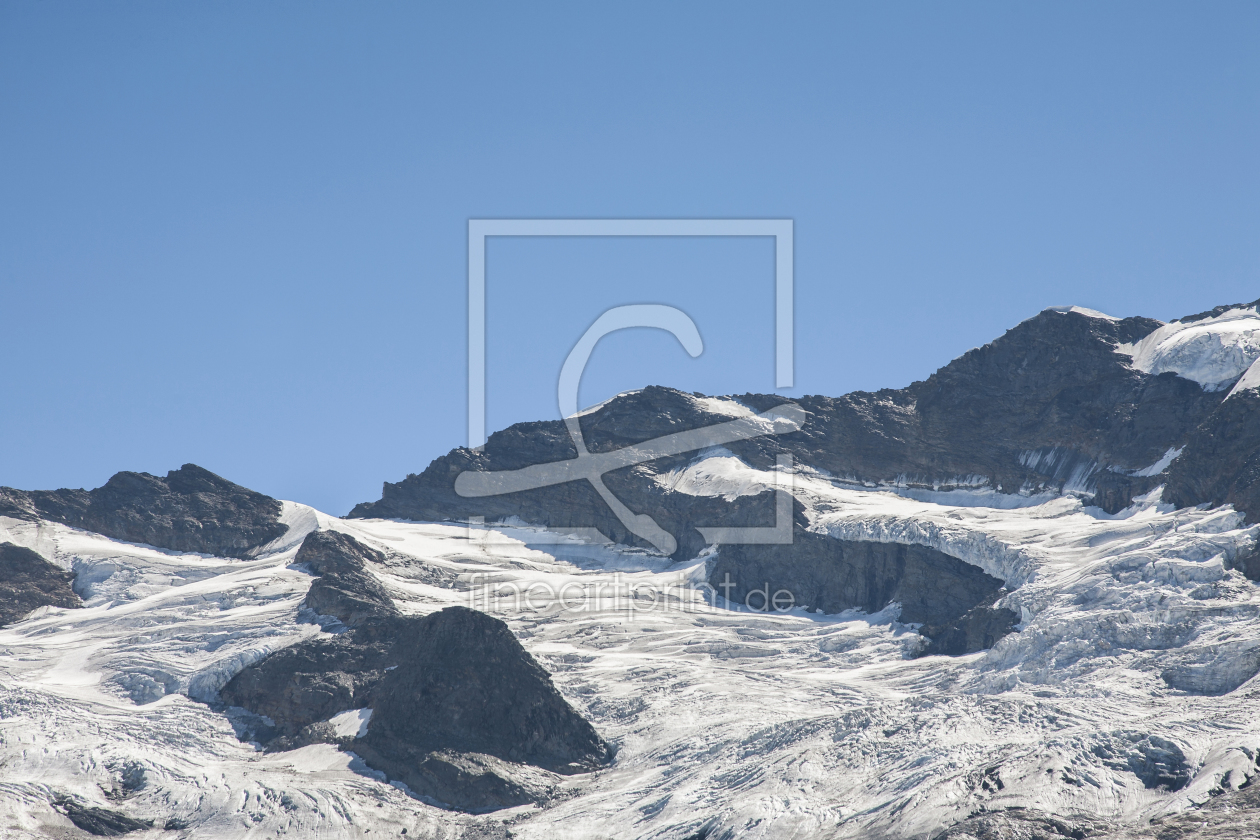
column 1128, row 694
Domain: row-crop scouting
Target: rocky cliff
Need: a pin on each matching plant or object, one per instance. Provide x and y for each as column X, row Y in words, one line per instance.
column 459, row 711
column 28, row 581
column 191, row 509
column 1061, row 403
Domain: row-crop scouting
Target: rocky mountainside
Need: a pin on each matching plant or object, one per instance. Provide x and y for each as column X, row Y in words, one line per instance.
column 1069, row 401
column 455, row 706
column 1010, row 601
column 28, row 581
column 191, row 509
column 1053, row 405
column 345, row 589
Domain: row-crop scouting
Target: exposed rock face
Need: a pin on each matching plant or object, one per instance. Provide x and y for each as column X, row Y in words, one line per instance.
column 28, row 581
column 980, row 629
column 345, row 588
column 1221, row 461
column 192, row 510
column 632, row 419
column 1025, row 824
column 835, row 575
column 310, row 682
column 455, row 701
column 1049, row 404
column 480, row 692
column 99, row 821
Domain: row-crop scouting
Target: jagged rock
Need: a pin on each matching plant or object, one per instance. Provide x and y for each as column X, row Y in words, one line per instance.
column 479, row 691
column 28, row 581
column 191, row 509
column 1221, row 461
column 345, row 588
column 1217, row 311
column 469, row 782
column 834, row 575
column 1049, row 404
column 99, row 821
column 1025, row 824
column 636, row 418
column 310, row 682
column 1227, row 815
column 980, row 629
column 453, row 696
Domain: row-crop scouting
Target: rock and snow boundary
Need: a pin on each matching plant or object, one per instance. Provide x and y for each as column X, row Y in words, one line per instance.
column 1128, row 693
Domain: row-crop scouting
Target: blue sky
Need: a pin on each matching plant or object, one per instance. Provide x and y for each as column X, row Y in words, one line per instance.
column 234, row 233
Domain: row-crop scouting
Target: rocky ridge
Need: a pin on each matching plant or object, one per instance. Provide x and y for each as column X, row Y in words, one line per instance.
column 1053, row 406
column 190, row 510
column 28, row 582
column 458, row 710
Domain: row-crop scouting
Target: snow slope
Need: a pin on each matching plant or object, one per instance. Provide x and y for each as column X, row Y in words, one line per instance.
column 1136, row 657
column 1213, row 352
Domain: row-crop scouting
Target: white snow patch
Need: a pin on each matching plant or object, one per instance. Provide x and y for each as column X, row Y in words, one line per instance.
column 725, row 406
column 1163, row 463
column 1081, row 310
column 351, row 724
column 716, row 472
column 1212, row 352
column 1249, row 380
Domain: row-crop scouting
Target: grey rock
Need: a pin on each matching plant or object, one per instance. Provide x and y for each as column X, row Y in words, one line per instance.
column 980, row 629
column 1025, row 824
column 191, row 509
column 345, row 588
column 1048, row 403
column 310, row 682
column 456, row 703
column 28, row 581
column 99, row 821
column 465, row 684
column 1221, row 461
column 834, row 575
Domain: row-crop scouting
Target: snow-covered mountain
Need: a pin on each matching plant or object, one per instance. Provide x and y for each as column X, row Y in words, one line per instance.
column 1018, row 602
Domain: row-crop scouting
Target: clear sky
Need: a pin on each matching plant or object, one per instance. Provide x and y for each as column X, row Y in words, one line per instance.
column 235, row 233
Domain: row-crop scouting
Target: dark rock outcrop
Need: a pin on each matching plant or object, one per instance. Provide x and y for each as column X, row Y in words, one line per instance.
column 835, row 575
column 1025, row 824
column 980, row 629
column 28, row 581
column 949, row 596
column 345, row 588
column 1221, row 461
column 452, row 693
column 633, row 418
column 480, row 692
column 1049, row 404
column 310, row 682
column 191, row 509
column 101, row 822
